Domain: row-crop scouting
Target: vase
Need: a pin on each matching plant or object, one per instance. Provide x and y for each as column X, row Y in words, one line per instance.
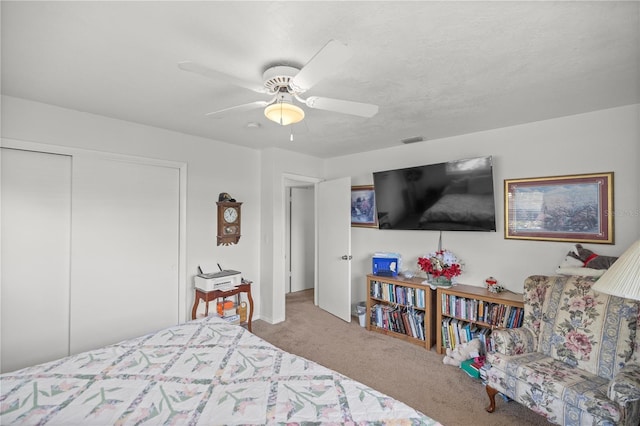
column 441, row 281
column 435, row 282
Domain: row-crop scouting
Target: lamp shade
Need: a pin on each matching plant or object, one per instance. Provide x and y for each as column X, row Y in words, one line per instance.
column 623, row 277
column 284, row 113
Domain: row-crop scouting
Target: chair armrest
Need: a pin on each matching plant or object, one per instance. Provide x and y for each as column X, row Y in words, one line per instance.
column 514, row 341
column 625, row 386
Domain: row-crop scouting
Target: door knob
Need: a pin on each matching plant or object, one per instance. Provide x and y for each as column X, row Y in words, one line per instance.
column 347, row 257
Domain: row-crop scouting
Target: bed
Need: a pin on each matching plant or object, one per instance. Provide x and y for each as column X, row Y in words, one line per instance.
column 202, row 372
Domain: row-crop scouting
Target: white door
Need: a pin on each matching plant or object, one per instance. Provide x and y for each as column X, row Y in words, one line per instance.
column 334, row 247
column 302, row 237
column 36, row 236
column 124, row 278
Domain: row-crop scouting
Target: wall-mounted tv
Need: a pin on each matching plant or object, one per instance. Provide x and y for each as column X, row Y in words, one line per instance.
column 452, row 196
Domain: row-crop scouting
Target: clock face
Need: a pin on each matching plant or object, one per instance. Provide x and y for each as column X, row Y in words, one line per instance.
column 230, row 214
column 228, row 223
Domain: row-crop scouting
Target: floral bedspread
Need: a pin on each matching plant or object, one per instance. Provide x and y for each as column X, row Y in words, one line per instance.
column 203, row 372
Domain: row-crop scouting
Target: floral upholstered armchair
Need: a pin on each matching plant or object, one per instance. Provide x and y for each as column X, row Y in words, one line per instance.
column 575, row 359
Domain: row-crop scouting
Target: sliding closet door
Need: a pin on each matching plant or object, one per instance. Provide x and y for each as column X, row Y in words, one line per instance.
column 124, row 275
column 36, row 233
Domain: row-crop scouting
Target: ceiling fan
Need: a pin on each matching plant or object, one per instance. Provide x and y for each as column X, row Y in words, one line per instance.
column 283, row 84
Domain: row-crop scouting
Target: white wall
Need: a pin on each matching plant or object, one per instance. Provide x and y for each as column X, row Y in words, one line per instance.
column 207, row 176
column 602, row 141
column 277, row 166
column 605, row 140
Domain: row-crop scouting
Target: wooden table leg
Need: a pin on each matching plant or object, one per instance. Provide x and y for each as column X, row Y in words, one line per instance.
column 194, row 310
column 250, row 316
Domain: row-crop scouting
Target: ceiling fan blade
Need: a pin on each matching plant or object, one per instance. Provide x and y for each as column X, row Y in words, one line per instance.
column 345, row 107
column 239, row 108
column 325, row 62
column 217, row 75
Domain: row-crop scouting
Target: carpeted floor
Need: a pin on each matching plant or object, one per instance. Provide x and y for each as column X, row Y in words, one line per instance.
column 400, row 369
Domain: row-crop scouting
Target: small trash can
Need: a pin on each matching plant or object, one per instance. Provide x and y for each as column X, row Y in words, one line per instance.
column 361, row 308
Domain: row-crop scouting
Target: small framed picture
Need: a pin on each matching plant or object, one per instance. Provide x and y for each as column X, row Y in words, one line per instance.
column 363, row 206
column 574, row 208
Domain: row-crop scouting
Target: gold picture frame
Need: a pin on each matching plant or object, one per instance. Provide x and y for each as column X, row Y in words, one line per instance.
column 363, row 207
column 572, row 208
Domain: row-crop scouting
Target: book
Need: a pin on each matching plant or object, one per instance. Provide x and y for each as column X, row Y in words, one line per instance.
column 446, row 341
column 468, row 367
column 407, row 327
column 232, row 319
column 420, row 324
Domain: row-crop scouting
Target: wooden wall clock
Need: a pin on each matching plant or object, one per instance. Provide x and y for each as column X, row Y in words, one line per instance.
column 228, row 222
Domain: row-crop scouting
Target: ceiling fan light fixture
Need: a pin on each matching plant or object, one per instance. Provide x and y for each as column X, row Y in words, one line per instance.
column 284, row 113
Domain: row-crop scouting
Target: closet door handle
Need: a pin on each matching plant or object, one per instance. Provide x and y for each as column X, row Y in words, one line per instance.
column 347, row 257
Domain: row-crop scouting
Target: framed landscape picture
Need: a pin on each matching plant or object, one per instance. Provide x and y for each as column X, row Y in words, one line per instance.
column 363, row 206
column 575, row 208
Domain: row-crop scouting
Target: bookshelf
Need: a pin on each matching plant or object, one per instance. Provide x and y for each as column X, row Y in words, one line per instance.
column 469, row 309
column 401, row 307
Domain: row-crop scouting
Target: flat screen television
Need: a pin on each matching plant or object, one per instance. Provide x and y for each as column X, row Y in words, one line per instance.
column 452, row 196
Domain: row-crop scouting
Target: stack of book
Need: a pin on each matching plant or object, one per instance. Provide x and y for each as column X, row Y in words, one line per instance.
column 471, row 367
column 407, row 296
column 456, row 332
column 484, row 371
column 496, row 314
column 403, row 320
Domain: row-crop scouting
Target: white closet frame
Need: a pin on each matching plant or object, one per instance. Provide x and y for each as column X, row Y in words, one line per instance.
column 183, row 301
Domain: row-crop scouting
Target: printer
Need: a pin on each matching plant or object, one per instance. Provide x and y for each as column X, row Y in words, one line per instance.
column 223, row 280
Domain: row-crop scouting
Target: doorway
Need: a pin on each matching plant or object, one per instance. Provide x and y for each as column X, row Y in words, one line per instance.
column 300, row 238
column 303, row 191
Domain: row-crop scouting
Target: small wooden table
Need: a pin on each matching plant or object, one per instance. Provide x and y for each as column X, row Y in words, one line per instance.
column 208, row 296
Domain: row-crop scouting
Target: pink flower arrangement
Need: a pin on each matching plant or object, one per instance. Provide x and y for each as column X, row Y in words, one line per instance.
column 441, row 263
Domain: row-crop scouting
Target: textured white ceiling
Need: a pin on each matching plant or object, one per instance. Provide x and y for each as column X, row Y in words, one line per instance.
column 436, row 69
